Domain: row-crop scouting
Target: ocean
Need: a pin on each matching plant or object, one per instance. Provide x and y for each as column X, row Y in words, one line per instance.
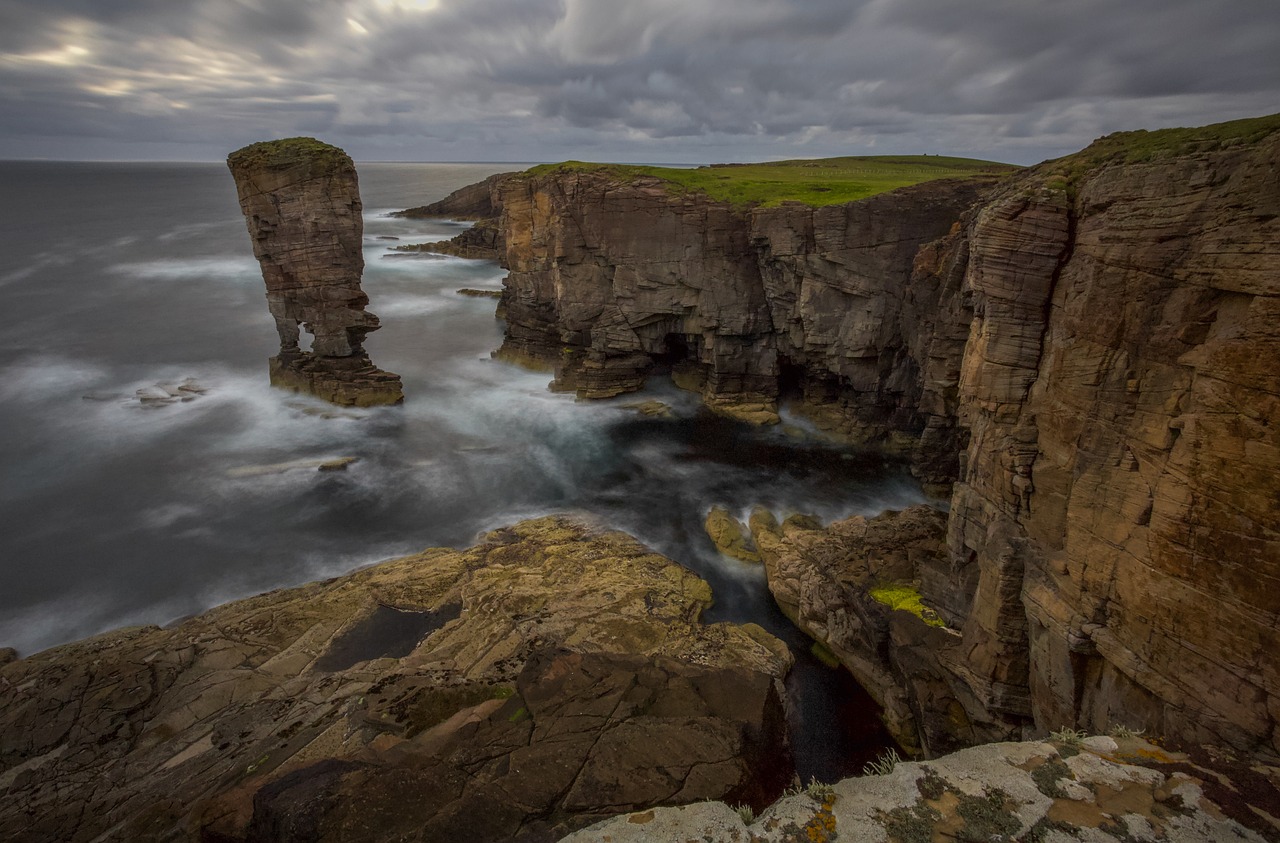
column 125, row 277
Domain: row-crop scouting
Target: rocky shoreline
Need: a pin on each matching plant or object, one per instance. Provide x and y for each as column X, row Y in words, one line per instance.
column 553, row 674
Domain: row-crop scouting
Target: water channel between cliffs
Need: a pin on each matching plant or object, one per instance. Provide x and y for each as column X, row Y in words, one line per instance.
column 127, row 276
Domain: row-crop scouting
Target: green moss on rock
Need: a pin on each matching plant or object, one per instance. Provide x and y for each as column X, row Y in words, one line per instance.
column 907, row 598
column 286, row 153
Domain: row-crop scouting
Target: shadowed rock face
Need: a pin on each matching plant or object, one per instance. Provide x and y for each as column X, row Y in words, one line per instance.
column 301, row 203
column 612, row 276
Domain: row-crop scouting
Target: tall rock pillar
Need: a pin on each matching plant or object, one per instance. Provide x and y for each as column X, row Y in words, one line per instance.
column 301, row 202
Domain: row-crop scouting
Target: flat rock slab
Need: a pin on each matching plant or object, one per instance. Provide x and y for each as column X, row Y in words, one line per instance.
column 1102, row 791
column 550, row 676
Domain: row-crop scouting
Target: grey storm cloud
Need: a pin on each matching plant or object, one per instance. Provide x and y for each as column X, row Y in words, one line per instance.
column 660, row 80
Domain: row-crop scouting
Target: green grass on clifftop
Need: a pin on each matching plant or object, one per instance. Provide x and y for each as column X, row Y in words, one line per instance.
column 286, row 152
column 817, row 182
column 1142, row 146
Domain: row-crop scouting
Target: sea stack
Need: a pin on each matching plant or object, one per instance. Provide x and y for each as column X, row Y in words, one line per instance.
column 301, row 202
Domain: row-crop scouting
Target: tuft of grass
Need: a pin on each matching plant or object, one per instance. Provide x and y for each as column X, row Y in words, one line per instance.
column 746, row 814
column 883, row 765
column 821, row 791
column 906, row 597
column 1119, row 730
column 816, row 182
column 1068, row 736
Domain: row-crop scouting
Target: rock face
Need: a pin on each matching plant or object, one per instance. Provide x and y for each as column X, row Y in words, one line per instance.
column 1089, row 349
column 613, row 278
column 550, row 676
column 480, row 202
column 1114, row 533
column 1098, row 789
column 844, row 585
column 302, row 206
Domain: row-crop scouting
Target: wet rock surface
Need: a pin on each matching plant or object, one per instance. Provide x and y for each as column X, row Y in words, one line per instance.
column 551, row 675
column 301, row 203
column 830, row 581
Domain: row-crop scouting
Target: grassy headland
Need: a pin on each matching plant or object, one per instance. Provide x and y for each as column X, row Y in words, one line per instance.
column 817, row 182
column 1142, row 146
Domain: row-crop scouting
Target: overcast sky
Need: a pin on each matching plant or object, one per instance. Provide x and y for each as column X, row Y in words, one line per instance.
column 690, row 81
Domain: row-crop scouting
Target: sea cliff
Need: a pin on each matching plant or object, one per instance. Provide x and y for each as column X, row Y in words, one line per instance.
column 1082, row 356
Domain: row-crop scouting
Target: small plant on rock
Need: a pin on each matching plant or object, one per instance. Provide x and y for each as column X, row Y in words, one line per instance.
column 824, row 793
column 746, row 814
column 1068, row 736
column 1119, row 730
column 883, row 765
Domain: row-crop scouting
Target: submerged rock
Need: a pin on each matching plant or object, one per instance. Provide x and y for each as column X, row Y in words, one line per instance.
column 163, row 393
column 321, row 464
column 301, row 202
column 730, row 536
column 654, row 409
column 545, row 678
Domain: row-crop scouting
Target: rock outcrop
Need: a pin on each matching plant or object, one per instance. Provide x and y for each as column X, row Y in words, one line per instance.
column 1088, row 349
column 301, row 203
column 844, row 585
column 545, row 678
column 482, row 204
column 1096, row 789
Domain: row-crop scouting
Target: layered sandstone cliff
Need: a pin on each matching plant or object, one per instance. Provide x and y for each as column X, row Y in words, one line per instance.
column 612, row 278
column 1115, row 536
column 301, row 203
column 1090, row 349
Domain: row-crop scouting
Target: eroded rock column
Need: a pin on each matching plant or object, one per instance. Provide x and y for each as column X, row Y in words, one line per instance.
column 301, row 202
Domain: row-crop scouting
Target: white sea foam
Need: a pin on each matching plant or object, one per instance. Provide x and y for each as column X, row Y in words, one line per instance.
column 410, row 305
column 40, row 378
column 232, row 269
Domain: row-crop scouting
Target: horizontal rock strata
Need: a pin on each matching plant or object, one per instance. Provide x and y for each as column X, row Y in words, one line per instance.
column 1115, row 531
column 547, row 677
column 301, row 203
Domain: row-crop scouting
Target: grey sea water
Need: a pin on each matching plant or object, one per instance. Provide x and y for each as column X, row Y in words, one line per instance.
column 116, row 277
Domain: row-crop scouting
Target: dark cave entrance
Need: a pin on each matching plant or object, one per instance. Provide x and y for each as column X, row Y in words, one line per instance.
column 792, row 379
column 676, row 349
